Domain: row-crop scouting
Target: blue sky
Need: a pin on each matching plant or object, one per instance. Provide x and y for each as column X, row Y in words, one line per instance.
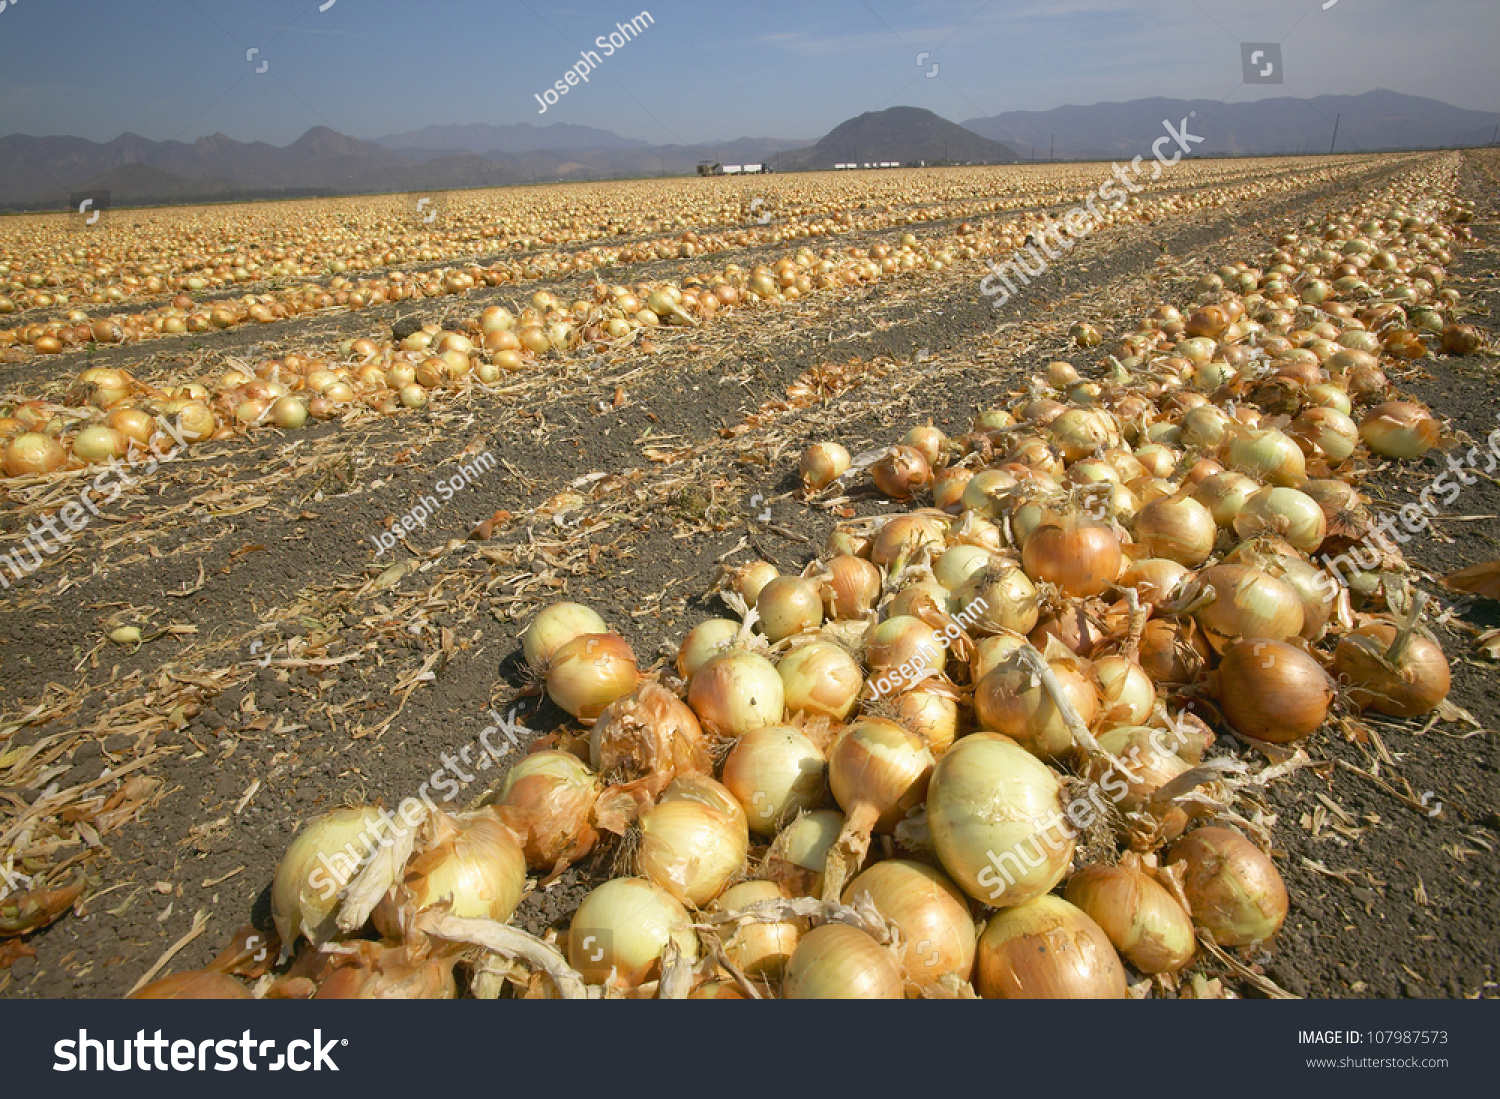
column 703, row 71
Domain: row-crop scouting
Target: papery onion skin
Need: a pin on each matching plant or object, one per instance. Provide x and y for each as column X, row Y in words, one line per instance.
column 475, row 864
column 1143, row 921
column 1178, row 528
column 195, row 984
column 1414, row 683
column 985, row 801
column 691, row 849
column 1272, row 691
column 932, row 913
column 758, row 949
column 788, row 605
column 1081, row 559
column 821, row 464
column 1047, row 949
column 1399, row 429
column 851, row 588
column 879, row 765
column 705, row 640
column 305, row 892
column 625, row 924
column 839, row 962
column 1235, row 891
column 1011, row 700
column 547, row 800
column 1250, row 603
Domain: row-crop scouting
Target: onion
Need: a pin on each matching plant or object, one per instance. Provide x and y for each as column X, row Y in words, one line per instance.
column 1325, row 431
column 1178, row 528
column 288, row 413
column 948, row 487
column 1154, row 579
column 839, row 962
column 553, row 627
column 1398, row 429
column 623, row 926
column 1080, row 558
column 1012, row 700
column 932, row 714
column 98, row 444
column 1173, row 651
column 1148, row 764
column 648, row 737
column 1248, row 603
column 195, row 984
column 705, row 640
column 994, row 812
column 1126, row 693
column 326, row 855
column 1046, row 949
column 472, row 863
column 820, row 678
column 758, row 949
column 1400, row 673
column 932, row 913
column 850, row 587
column 788, row 605
column 1268, row 456
column 1224, row 494
column 821, row 464
column 750, row 579
column 736, row 692
column 589, row 672
column 1001, row 598
column 774, row 773
column 903, row 536
column 1142, row 920
column 960, row 562
column 32, row 452
column 547, row 800
column 1272, row 691
column 1235, row 891
column 902, row 473
column 694, row 840
column 1286, row 513
column 902, row 651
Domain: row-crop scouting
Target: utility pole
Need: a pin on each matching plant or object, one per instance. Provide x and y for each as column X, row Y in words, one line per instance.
column 1052, row 150
column 1336, row 121
column 1496, row 137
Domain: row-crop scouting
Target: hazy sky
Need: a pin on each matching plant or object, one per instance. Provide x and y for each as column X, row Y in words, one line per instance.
column 703, row 71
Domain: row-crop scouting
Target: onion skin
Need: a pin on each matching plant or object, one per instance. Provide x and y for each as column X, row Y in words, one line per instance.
column 624, row 925
column 1143, row 921
column 1012, row 701
column 879, row 766
column 304, row 893
column 775, row 772
column 987, row 795
column 547, row 800
column 1083, row 560
column 759, row 949
column 788, row 605
column 1272, row 691
column 1235, row 891
column 1249, row 603
column 1047, row 949
column 589, row 672
column 1412, row 684
column 554, row 627
column 822, row 464
column 1178, row 528
column 839, row 962
column 474, row 862
column 902, row 473
column 737, row 692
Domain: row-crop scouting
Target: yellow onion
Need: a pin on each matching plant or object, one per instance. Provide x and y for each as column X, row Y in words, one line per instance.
column 913, row 599
column 648, row 734
column 839, row 962
column 1148, row 760
column 1126, row 693
column 758, row 949
column 554, row 626
column 960, row 562
column 623, row 926
column 1178, row 528
column 750, row 579
column 1286, row 513
column 98, row 444
column 737, row 692
column 472, row 863
column 694, row 840
column 991, row 652
column 195, row 984
column 850, row 587
column 1142, row 920
column 902, row 473
column 821, row 464
column 932, row 913
column 905, row 533
column 1047, row 949
column 547, row 800
column 1248, row 603
column 948, row 487
column 1325, row 431
column 820, row 678
column 589, row 672
column 788, row 605
column 997, row 600
column 877, row 771
column 1400, row 674
column 932, row 714
column 994, row 811
column 705, row 640
column 1224, row 494
column 803, row 847
column 1398, row 429
column 1235, row 891
column 326, row 855
column 33, row 452
column 1012, row 700
column 1154, row 579
column 902, row 651
column 1272, row 691
column 1079, row 557
column 1269, row 456
column 774, row 773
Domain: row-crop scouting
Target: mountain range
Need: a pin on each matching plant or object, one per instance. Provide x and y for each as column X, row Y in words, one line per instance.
column 43, row 172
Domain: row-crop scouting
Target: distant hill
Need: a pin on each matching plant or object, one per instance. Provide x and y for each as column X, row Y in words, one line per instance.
column 1376, row 120
column 522, row 137
column 903, row 134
